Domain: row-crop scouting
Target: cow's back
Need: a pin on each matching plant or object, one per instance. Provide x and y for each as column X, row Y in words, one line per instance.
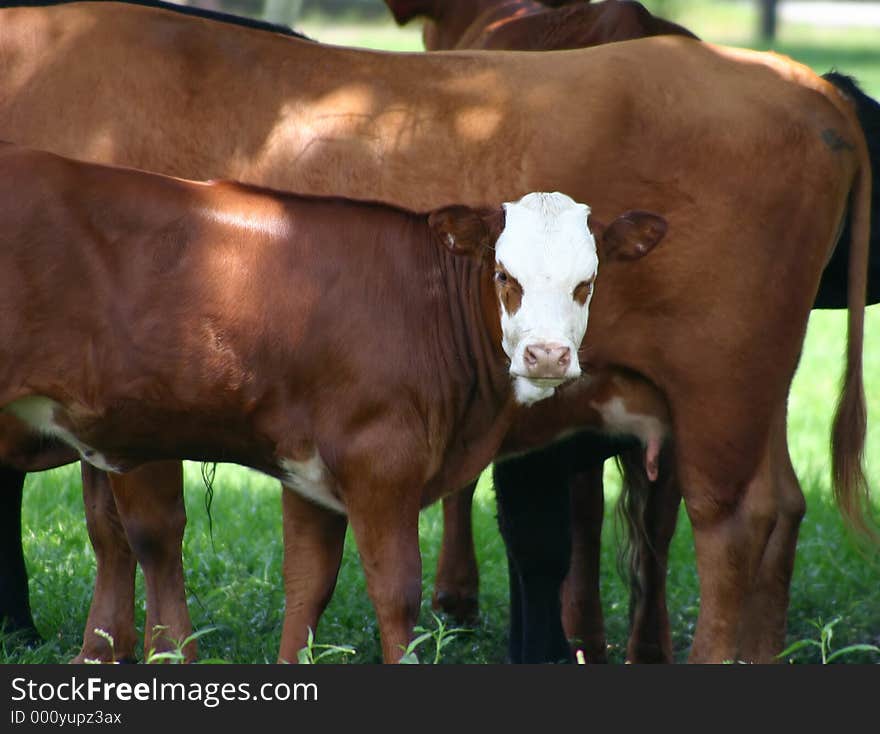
column 420, row 130
column 667, row 124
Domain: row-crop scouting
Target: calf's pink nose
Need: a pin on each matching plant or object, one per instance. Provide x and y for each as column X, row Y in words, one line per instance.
column 546, row 360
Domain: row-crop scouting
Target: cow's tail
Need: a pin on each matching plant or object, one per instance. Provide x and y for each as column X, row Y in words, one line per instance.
column 634, row 541
column 867, row 111
column 643, row 535
column 850, row 420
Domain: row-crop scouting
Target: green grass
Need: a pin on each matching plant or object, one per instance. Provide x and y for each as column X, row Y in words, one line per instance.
column 234, row 583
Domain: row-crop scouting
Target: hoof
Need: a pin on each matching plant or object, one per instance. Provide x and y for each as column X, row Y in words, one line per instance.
column 462, row 607
column 647, row 654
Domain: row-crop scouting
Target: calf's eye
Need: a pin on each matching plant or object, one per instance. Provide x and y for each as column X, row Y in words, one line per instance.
column 582, row 291
column 500, row 277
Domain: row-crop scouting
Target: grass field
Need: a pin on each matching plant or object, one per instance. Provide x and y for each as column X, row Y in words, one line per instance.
column 233, row 580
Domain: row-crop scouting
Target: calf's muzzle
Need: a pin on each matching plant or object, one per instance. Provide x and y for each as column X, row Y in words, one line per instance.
column 547, row 361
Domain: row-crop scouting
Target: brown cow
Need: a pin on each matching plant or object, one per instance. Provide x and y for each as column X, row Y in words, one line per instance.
column 404, row 128
column 524, row 25
column 221, row 322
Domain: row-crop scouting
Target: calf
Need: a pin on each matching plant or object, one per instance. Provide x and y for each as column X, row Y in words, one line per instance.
column 288, row 334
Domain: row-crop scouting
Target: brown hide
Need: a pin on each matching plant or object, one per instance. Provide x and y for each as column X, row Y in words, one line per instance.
column 29, row 452
column 726, row 144
column 578, row 26
column 214, row 322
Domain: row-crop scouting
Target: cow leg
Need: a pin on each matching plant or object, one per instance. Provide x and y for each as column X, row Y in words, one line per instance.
column 387, row 536
column 581, row 600
column 762, row 633
column 731, row 533
column 15, row 608
column 150, row 504
column 314, row 539
column 533, row 516
column 456, row 586
column 515, row 632
column 650, row 638
column 112, row 609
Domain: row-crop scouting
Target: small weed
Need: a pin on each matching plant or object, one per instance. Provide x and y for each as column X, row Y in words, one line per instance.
column 176, row 655
column 441, row 637
column 307, row 655
column 823, row 643
column 108, row 638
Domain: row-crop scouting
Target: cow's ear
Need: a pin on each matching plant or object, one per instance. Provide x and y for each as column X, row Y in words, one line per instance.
column 405, row 10
column 631, row 236
column 466, row 231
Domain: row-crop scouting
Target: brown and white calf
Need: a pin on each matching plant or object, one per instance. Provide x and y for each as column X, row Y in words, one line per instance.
column 367, row 356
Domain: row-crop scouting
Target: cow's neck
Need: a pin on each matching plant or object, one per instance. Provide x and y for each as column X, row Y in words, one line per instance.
column 481, row 400
column 450, row 21
column 486, row 17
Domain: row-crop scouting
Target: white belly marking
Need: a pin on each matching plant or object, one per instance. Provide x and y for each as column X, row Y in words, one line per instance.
column 617, row 419
column 311, row 479
column 39, row 413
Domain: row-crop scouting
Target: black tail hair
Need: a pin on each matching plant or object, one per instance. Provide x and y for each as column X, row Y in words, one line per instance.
column 832, row 289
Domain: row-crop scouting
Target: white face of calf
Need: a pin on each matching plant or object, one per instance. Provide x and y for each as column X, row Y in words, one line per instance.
column 545, row 260
column 545, row 264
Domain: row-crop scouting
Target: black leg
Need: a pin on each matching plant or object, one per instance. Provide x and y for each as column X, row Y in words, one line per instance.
column 514, row 640
column 533, row 515
column 15, row 609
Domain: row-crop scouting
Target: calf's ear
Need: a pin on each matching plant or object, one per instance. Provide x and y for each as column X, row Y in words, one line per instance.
column 631, row 236
column 466, row 231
